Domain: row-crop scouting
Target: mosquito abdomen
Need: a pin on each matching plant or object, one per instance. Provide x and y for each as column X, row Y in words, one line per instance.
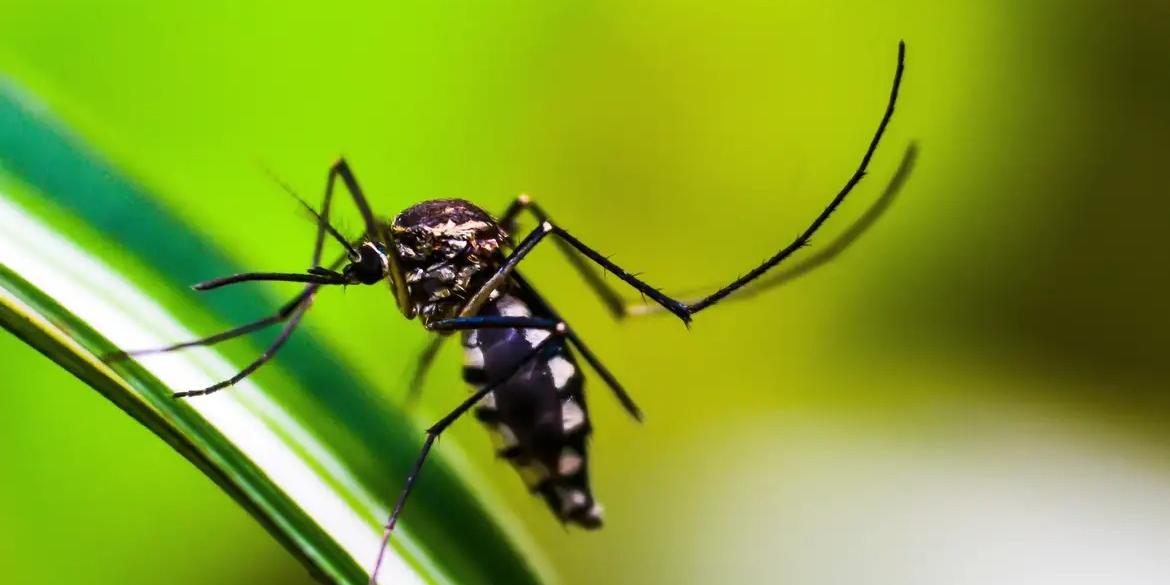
column 538, row 417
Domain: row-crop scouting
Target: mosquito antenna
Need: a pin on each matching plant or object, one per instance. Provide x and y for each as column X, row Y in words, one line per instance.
column 349, row 249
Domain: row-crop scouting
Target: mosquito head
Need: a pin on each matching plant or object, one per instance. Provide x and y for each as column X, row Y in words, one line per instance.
column 368, row 264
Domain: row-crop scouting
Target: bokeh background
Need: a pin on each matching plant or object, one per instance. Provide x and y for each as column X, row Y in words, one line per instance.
column 974, row 393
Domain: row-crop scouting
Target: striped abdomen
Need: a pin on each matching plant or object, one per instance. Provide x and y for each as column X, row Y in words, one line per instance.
column 538, row 416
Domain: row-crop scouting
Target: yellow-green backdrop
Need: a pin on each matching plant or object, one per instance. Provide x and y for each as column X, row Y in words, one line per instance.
column 973, row 393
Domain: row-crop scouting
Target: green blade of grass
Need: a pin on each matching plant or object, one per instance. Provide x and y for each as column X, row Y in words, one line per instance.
column 45, row 325
column 316, row 462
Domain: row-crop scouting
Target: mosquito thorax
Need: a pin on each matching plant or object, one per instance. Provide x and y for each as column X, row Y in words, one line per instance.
column 446, row 248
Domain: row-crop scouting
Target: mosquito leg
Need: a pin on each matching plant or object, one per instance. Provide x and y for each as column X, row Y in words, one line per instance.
column 608, row 295
column 500, row 277
column 834, row 249
column 433, row 433
column 256, row 325
column 678, row 308
column 803, row 239
column 280, row 316
column 685, row 311
column 506, row 269
column 522, row 202
column 285, row 333
column 425, row 360
column 495, row 322
column 340, row 169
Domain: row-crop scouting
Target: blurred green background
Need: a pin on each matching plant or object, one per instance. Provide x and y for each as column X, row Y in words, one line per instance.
column 974, row 393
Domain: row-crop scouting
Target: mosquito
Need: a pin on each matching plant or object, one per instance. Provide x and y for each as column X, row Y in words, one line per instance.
column 453, row 266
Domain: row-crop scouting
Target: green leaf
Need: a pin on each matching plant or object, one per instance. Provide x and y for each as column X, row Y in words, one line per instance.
column 317, row 462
